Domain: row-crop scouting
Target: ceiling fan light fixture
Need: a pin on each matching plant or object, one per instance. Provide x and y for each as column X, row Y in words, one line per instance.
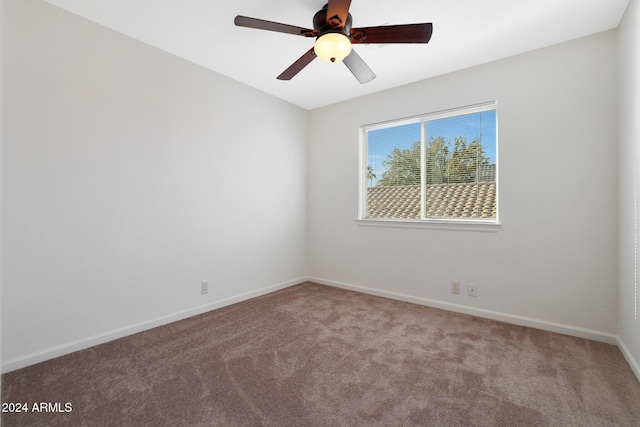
column 332, row 47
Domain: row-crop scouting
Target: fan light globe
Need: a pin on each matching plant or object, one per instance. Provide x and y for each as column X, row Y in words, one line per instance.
column 333, row 47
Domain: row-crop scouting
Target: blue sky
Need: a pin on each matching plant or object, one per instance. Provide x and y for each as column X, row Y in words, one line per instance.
column 382, row 141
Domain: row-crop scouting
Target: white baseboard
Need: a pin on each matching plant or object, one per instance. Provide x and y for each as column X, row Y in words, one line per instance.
column 633, row 363
column 488, row 314
column 63, row 349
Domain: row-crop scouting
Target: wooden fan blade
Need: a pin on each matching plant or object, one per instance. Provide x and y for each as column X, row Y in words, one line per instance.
column 359, row 68
column 261, row 24
column 297, row 66
column 408, row 33
column 337, row 12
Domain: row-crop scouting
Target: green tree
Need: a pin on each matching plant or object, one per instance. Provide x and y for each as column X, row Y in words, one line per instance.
column 436, row 160
column 371, row 176
column 466, row 160
column 402, row 167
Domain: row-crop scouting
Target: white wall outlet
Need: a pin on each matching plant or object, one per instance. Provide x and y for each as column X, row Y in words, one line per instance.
column 204, row 288
column 455, row 287
column 473, row 290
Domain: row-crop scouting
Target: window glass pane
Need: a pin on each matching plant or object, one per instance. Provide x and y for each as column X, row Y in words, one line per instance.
column 393, row 172
column 460, row 165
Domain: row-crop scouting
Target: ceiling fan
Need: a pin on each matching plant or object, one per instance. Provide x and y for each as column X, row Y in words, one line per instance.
column 334, row 37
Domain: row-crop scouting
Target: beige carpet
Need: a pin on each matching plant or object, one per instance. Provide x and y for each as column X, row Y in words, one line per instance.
column 312, row 355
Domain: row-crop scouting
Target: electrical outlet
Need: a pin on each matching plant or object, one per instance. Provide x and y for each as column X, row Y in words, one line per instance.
column 473, row 290
column 204, row 288
column 455, row 287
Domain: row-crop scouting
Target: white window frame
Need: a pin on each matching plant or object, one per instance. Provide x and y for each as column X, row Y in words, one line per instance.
column 424, row 222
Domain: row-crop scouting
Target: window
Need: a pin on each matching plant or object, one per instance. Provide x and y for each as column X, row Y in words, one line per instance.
column 439, row 166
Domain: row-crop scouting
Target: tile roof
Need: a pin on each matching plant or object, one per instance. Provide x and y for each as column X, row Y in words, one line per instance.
column 460, row 200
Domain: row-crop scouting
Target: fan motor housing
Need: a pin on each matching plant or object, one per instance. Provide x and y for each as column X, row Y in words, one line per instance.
column 331, row 25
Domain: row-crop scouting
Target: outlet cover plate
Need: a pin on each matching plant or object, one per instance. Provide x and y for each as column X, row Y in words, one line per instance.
column 455, row 287
column 473, row 290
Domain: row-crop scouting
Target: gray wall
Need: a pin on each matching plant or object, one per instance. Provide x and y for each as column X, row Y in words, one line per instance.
column 629, row 184
column 553, row 260
column 129, row 177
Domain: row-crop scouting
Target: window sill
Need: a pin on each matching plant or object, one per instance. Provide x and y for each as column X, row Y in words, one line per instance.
column 433, row 224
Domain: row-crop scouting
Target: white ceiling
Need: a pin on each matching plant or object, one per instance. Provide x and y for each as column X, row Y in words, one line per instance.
column 466, row 33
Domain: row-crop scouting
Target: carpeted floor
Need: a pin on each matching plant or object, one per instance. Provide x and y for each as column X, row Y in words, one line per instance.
column 312, row 355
